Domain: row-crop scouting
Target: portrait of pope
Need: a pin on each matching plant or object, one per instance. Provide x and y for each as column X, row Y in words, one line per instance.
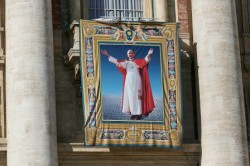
column 133, row 66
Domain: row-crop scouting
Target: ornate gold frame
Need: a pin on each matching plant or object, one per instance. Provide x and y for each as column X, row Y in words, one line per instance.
column 130, row 134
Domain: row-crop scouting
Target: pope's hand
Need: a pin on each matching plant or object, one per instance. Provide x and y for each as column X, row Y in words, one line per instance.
column 151, row 50
column 119, row 65
column 105, row 52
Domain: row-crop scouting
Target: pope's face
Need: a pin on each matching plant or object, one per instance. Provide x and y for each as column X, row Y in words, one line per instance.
column 131, row 54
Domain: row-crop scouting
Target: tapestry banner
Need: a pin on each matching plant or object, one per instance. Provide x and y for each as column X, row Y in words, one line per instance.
column 130, row 74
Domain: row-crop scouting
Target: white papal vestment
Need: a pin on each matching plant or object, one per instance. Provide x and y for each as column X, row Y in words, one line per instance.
column 132, row 94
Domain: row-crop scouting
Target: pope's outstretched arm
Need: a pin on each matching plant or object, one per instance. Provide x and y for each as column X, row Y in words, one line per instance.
column 150, row 52
column 112, row 59
column 105, row 52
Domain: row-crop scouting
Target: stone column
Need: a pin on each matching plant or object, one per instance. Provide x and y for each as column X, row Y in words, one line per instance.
column 147, row 8
column 31, row 119
column 75, row 10
column 223, row 140
column 160, row 10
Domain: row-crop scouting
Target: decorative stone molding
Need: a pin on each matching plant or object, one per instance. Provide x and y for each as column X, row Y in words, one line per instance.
column 2, row 60
column 79, row 147
column 185, row 37
column 73, row 56
column 187, row 49
column 74, row 27
column 74, row 52
column 3, row 144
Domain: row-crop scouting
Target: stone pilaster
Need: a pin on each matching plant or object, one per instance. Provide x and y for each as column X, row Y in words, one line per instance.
column 75, row 10
column 2, row 71
column 31, row 119
column 84, row 6
column 160, row 10
column 224, row 140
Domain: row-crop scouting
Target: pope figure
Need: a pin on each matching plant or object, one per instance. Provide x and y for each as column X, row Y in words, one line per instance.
column 137, row 94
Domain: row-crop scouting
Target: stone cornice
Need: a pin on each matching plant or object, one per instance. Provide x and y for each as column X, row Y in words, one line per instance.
column 73, row 56
column 184, row 35
column 73, row 24
column 79, row 147
column 2, row 59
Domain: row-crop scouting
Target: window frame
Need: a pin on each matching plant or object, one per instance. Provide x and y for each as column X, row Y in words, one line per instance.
column 127, row 10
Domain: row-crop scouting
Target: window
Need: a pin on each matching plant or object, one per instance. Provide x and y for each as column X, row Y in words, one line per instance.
column 96, row 8
column 124, row 9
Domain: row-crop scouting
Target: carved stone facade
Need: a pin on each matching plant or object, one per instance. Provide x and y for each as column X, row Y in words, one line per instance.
column 71, row 152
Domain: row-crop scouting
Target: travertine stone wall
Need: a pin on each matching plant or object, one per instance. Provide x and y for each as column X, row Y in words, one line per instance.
column 184, row 15
column 224, row 140
column 31, row 118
